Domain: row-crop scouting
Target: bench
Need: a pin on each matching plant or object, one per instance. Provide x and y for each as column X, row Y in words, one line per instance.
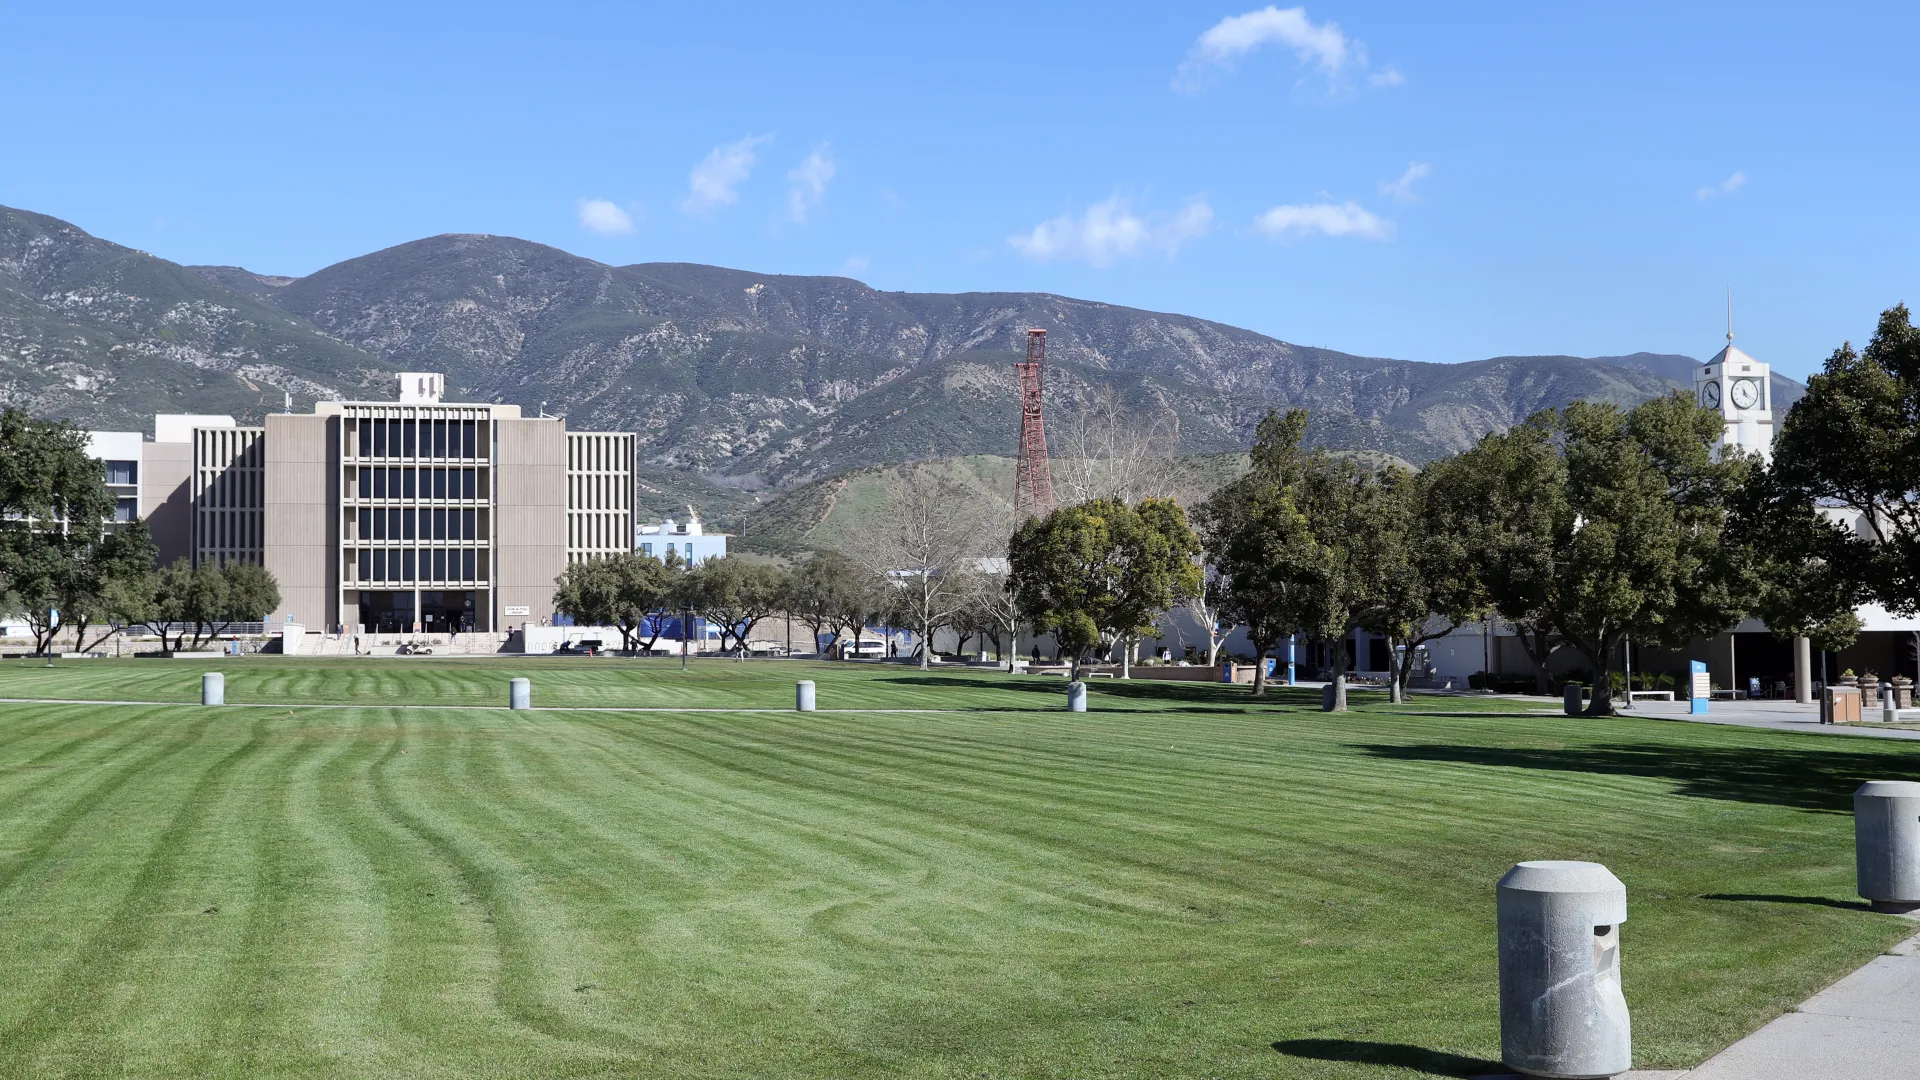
column 1650, row 695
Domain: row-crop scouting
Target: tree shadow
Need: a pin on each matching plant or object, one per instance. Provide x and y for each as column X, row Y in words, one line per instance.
column 1132, row 690
column 1771, row 898
column 1801, row 778
column 1432, row 1062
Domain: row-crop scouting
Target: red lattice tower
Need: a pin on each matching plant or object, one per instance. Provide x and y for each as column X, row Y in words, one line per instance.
column 1032, row 480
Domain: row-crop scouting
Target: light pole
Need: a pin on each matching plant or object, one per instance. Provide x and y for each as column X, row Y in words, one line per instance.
column 685, row 616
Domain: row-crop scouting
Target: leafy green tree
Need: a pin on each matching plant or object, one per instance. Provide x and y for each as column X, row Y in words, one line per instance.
column 1271, row 571
column 1841, row 508
column 587, row 592
column 625, row 591
column 1603, row 524
column 54, row 509
column 1412, row 548
column 734, row 594
column 208, row 599
column 819, row 592
column 113, row 589
column 1102, row 571
column 1508, row 495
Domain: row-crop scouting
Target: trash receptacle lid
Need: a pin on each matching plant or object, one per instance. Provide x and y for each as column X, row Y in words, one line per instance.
column 1562, row 876
column 1890, row 789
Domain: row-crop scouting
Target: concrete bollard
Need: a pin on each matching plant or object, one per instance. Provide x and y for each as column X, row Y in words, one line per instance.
column 1886, row 844
column 520, row 696
column 803, row 696
column 1889, row 705
column 1076, row 697
column 213, row 688
column 1570, row 699
column 1561, row 1010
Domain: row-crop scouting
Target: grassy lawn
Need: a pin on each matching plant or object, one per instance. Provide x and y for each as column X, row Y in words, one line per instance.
column 1179, row 883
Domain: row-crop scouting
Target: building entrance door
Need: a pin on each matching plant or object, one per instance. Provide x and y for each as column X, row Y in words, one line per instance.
column 447, row 612
column 386, row 612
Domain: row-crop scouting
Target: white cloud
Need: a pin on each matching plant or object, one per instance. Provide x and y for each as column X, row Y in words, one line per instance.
column 809, row 181
column 1725, row 187
column 603, row 217
column 854, row 265
column 1110, row 231
column 716, row 180
column 1321, row 45
column 1401, row 190
column 1324, row 219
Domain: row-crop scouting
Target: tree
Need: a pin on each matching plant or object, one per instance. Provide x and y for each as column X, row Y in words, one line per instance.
column 113, row 589
column 1604, row 524
column 54, row 510
column 586, row 593
column 625, row 591
column 1208, row 608
column 1102, row 571
column 818, row 592
column 926, row 535
column 1508, row 496
column 1841, row 506
column 209, row 599
column 1419, row 558
column 1107, row 451
column 1272, row 571
column 735, row 594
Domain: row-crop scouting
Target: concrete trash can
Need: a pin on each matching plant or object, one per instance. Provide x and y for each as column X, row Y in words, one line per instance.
column 1076, row 697
column 1570, row 699
column 1328, row 699
column 213, row 688
column 520, row 696
column 1886, row 844
column 803, row 696
column 1562, row 1014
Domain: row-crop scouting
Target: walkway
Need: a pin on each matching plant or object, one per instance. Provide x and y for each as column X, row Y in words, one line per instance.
column 1773, row 715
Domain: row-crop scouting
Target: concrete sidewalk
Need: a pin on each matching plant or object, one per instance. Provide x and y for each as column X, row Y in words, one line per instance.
column 1772, row 715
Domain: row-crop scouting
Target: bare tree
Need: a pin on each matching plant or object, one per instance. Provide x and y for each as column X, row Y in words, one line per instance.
column 1208, row 609
column 1107, row 451
column 924, row 541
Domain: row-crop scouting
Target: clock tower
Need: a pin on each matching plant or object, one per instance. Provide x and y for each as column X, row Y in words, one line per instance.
column 1735, row 385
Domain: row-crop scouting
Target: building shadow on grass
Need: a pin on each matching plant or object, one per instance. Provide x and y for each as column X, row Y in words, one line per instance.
column 1432, row 1062
column 1801, row 778
column 1771, row 898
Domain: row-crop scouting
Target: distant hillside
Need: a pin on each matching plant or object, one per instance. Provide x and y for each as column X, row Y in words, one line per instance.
column 107, row 335
column 738, row 383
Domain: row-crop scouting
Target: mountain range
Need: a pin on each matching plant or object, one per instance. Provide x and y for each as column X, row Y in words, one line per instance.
column 734, row 380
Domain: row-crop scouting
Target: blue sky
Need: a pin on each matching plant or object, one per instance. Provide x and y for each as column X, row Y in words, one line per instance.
column 1425, row 181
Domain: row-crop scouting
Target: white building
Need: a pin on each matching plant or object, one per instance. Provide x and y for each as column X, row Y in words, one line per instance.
column 688, row 539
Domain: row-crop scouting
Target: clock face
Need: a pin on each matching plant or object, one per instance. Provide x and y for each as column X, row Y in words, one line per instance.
column 1710, row 395
column 1745, row 393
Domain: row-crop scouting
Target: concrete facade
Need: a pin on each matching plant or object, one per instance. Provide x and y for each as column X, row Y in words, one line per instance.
column 386, row 517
